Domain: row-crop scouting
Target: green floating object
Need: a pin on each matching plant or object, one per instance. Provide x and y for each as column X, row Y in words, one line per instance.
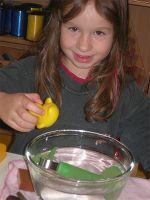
column 36, row 159
column 111, row 172
column 51, row 154
column 69, row 171
column 45, row 155
column 73, row 172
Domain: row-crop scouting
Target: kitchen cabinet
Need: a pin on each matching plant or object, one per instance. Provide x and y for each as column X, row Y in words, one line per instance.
column 140, row 20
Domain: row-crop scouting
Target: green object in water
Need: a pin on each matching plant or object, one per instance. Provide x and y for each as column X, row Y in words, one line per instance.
column 51, row 154
column 36, row 159
column 69, row 171
column 111, row 172
column 45, row 155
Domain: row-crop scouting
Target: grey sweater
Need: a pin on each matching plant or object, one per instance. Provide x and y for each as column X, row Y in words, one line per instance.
column 130, row 122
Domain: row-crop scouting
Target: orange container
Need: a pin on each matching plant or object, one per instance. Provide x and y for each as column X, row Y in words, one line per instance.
column 2, row 151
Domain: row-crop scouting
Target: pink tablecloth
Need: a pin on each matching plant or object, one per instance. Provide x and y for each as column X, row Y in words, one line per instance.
column 136, row 189
column 11, row 185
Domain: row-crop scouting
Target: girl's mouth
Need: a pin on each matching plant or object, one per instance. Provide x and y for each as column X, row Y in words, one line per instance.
column 82, row 59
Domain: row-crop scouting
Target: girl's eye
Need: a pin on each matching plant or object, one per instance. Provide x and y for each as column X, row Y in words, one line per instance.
column 99, row 33
column 73, row 29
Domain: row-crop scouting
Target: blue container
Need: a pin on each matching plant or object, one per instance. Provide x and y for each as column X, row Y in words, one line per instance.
column 19, row 21
column 8, row 19
column 2, row 20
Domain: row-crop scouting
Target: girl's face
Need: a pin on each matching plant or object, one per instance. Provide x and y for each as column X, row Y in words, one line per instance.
column 85, row 41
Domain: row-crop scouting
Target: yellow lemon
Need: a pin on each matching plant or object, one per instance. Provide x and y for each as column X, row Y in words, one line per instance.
column 50, row 116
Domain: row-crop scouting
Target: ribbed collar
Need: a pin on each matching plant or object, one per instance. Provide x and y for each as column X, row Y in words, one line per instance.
column 73, row 76
column 72, row 83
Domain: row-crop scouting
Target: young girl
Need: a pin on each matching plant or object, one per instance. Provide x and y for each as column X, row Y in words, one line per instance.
column 81, row 65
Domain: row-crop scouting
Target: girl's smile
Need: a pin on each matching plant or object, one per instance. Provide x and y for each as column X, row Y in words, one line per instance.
column 82, row 58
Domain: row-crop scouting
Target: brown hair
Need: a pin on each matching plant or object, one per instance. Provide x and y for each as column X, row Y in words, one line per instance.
column 108, row 76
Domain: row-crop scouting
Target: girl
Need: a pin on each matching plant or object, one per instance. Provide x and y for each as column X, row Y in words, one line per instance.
column 81, row 65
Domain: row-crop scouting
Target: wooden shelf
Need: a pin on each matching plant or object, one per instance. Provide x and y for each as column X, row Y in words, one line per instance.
column 140, row 3
column 15, row 42
column 43, row 3
column 3, row 62
column 16, row 47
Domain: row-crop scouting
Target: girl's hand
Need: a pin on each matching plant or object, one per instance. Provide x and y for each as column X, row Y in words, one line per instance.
column 14, row 110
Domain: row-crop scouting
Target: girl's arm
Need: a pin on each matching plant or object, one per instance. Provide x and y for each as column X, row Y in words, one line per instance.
column 135, row 125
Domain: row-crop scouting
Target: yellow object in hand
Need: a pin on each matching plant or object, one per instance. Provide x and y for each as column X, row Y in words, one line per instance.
column 50, row 116
column 2, row 151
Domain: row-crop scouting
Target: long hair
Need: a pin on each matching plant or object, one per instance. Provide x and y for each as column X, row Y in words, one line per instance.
column 107, row 76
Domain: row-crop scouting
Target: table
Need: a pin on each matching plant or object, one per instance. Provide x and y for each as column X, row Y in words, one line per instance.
column 136, row 188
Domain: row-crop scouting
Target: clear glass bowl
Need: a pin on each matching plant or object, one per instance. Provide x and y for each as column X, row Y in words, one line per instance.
column 88, row 150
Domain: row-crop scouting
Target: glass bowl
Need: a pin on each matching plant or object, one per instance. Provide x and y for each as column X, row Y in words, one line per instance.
column 90, row 151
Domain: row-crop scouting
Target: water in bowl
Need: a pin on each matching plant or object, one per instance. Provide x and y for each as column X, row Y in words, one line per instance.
column 50, row 188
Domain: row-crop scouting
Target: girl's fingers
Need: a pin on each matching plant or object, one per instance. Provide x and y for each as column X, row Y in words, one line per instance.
column 21, row 125
column 27, row 116
column 20, row 129
column 31, row 106
column 34, row 97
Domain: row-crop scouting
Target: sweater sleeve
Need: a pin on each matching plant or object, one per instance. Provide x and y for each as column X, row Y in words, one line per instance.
column 134, row 125
column 18, row 76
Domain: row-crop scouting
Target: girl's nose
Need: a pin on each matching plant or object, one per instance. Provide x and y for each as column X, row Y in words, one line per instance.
column 84, row 43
